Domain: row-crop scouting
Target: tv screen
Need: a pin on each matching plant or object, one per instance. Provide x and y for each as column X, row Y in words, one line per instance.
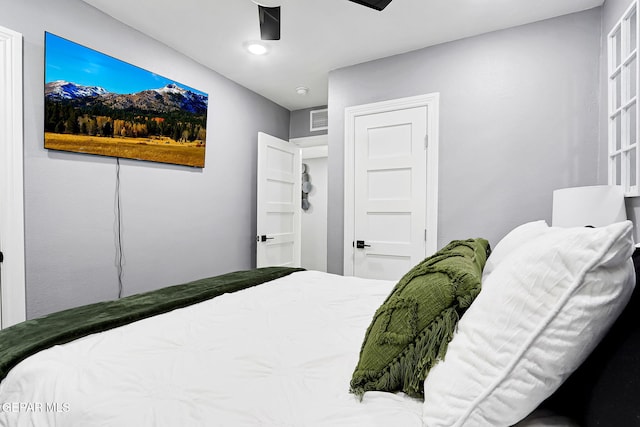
column 98, row 104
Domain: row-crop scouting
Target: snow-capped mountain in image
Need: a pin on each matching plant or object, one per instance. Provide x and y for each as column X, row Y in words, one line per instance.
column 62, row 89
column 166, row 99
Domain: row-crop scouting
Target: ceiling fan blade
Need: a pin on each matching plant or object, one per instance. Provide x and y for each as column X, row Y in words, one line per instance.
column 374, row 4
column 269, row 22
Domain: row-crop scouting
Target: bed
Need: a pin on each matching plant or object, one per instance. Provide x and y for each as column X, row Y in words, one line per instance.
column 282, row 347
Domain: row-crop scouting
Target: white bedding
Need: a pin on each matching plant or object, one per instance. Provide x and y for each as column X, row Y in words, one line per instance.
column 278, row 354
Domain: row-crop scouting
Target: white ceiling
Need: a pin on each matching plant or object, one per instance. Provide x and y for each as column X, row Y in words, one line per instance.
column 318, row 35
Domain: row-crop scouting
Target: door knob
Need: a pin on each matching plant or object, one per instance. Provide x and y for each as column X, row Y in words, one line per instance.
column 361, row 245
column 264, row 238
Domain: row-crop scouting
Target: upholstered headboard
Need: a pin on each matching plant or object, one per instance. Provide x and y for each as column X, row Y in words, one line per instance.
column 605, row 390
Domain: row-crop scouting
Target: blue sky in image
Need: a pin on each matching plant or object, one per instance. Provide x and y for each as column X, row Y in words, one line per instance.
column 66, row 60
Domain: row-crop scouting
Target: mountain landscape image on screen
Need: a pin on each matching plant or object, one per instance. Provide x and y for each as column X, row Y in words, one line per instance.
column 167, row 124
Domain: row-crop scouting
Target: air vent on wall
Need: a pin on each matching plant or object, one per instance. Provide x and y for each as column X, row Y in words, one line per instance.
column 319, row 120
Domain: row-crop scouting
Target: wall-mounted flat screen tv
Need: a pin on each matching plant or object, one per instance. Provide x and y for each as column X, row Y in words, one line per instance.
column 98, row 104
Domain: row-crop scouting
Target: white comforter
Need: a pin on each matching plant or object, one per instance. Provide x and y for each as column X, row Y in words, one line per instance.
column 278, row 354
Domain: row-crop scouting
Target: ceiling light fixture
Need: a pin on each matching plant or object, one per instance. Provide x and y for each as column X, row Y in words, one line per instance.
column 256, row 48
column 268, row 3
column 302, row 90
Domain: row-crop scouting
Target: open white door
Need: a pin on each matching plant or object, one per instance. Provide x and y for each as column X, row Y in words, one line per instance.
column 12, row 268
column 278, row 203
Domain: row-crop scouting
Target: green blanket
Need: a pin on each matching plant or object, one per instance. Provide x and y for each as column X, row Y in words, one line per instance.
column 27, row 338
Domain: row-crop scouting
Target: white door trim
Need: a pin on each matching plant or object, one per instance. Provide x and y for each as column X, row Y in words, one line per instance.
column 311, row 141
column 313, row 147
column 12, row 276
column 431, row 101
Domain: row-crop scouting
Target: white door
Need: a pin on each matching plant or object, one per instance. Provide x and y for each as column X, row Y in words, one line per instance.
column 12, row 270
column 391, row 185
column 278, row 202
column 390, row 198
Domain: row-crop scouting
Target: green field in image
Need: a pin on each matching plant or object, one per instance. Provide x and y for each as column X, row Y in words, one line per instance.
column 163, row 150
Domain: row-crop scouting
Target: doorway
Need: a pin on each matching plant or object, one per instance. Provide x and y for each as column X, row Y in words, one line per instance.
column 315, row 154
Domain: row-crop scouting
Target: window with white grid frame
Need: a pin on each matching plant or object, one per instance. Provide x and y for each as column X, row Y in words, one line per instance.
column 622, row 61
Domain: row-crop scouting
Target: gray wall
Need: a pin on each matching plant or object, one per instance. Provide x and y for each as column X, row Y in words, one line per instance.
column 299, row 127
column 179, row 223
column 518, row 119
column 612, row 10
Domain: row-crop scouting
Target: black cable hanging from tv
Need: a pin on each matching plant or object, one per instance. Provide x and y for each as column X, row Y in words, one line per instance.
column 119, row 261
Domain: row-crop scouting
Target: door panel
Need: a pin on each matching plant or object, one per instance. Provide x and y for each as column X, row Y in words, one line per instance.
column 12, row 271
column 278, row 203
column 390, row 192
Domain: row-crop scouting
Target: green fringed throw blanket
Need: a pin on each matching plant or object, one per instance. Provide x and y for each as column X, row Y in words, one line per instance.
column 27, row 338
column 410, row 332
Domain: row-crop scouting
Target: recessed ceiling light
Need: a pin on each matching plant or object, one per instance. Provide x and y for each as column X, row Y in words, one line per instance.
column 256, row 48
column 302, row 90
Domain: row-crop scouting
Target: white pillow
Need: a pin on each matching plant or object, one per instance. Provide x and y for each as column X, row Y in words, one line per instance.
column 517, row 237
column 542, row 311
